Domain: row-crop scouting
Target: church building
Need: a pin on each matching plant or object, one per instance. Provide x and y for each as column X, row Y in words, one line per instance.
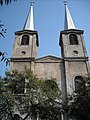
column 67, row 69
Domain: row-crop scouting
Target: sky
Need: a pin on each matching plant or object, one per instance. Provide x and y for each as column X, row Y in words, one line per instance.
column 48, row 21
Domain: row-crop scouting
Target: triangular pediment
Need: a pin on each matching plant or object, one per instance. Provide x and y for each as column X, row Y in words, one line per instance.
column 48, row 58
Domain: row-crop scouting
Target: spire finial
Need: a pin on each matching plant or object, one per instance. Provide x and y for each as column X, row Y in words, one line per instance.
column 65, row 2
column 32, row 2
column 29, row 23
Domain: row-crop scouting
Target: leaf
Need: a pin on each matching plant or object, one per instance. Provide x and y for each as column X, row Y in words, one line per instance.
column 2, row 59
column 1, row 25
column 2, row 34
column 0, row 53
column 5, row 59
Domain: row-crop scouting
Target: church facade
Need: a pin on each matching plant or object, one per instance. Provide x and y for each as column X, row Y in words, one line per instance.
column 67, row 70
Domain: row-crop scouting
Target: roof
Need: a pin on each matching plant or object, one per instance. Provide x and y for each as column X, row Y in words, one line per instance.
column 68, row 22
column 49, row 59
column 29, row 23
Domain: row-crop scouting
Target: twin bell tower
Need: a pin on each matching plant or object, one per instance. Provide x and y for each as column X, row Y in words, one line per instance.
column 67, row 69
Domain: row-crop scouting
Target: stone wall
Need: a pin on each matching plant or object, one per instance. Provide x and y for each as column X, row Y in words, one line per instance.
column 48, row 67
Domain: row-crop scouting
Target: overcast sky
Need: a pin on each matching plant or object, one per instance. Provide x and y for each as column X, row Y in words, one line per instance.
column 49, row 21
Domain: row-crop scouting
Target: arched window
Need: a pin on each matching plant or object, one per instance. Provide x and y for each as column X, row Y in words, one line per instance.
column 25, row 40
column 51, row 84
column 77, row 80
column 73, row 39
column 17, row 117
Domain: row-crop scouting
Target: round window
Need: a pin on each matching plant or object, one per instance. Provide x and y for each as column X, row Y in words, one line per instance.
column 23, row 52
column 75, row 52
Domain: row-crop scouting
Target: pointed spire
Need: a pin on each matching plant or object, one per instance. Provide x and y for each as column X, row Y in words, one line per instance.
column 69, row 24
column 29, row 23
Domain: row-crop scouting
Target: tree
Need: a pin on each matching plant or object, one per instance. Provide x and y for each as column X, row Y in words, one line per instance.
column 4, row 58
column 30, row 96
column 79, row 102
column 6, row 103
column 2, row 30
column 3, row 55
column 6, row 1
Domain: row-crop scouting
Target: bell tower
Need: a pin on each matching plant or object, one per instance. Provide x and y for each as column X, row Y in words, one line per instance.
column 74, row 55
column 25, row 45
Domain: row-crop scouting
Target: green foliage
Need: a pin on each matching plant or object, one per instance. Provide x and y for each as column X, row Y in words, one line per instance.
column 2, row 30
column 15, row 82
column 79, row 102
column 6, row 102
column 27, row 94
column 50, row 110
column 4, row 58
column 6, row 1
column 51, row 89
column 3, row 54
